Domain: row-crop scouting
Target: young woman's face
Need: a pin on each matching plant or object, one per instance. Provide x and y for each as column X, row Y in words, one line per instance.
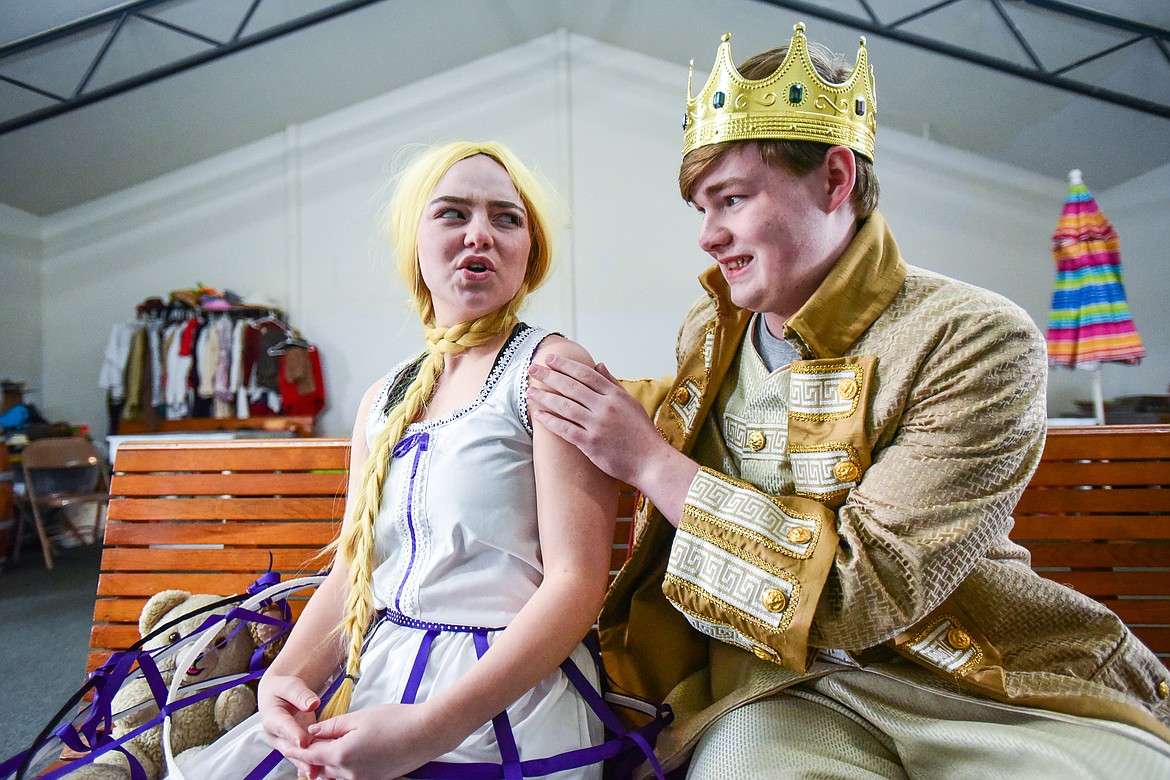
column 473, row 241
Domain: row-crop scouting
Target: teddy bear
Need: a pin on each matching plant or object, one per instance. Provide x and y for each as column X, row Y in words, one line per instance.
column 192, row 727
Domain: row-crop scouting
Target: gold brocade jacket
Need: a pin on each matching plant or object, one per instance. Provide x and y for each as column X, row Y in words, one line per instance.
column 913, row 424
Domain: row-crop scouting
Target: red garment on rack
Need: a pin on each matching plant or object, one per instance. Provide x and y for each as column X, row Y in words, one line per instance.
column 302, row 387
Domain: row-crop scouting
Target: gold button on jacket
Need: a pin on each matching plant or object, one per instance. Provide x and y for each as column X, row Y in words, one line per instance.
column 774, row 600
column 756, row 440
column 681, row 396
column 846, row 471
column 847, row 389
column 799, row 535
column 958, row 639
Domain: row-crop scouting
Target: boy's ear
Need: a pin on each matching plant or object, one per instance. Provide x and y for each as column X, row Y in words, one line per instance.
column 840, row 168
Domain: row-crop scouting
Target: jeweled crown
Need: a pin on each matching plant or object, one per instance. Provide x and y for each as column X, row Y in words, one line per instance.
column 794, row 103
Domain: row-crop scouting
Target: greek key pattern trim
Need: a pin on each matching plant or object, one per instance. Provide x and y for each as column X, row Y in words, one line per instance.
column 689, row 411
column 812, row 469
column 724, row 633
column 741, row 509
column 678, row 584
column 729, row 579
column 814, row 392
column 735, row 434
column 931, row 646
column 708, row 348
column 720, row 631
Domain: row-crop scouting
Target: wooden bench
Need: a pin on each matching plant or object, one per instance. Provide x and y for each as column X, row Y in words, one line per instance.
column 1096, row 516
column 210, row 517
column 206, row 516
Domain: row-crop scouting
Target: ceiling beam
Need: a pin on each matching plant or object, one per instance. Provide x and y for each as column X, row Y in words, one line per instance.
column 115, row 19
column 1035, row 72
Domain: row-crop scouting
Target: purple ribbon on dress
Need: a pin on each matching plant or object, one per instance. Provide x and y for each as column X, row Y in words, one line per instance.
column 419, row 443
column 510, row 767
column 505, row 739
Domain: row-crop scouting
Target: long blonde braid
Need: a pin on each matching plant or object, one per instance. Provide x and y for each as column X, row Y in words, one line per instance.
column 356, row 545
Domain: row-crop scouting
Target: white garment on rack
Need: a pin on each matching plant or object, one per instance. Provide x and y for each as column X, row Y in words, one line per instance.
column 178, row 369
column 205, row 351
column 112, row 376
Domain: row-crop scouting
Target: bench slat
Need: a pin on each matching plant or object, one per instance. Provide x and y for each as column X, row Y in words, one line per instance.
column 1157, row 638
column 1116, row 501
column 258, row 455
column 120, row 610
column 1141, row 611
column 1100, row 554
column 1098, row 473
column 245, row 534
column 1040, row 527
column 323, row 483
column 126, row 609
column 149, row 583
column 233, row 560
column 1111, row 583
column 281, row 508
column 1108, row 442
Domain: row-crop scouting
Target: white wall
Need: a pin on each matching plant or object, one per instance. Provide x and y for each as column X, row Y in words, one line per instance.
column 20, row 299
column 294, row 219
column 1140, row 211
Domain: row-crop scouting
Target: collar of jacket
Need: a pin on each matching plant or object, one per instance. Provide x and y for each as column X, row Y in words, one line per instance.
column 858, row 288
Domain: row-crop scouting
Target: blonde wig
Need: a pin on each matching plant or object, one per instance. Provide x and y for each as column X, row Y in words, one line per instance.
column 355, row 546
column 414, row 187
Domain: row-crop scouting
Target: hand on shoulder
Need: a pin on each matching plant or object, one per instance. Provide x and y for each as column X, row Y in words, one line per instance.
column 562, row 348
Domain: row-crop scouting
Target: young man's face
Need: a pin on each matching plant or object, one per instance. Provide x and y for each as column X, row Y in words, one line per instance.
column 767, row 228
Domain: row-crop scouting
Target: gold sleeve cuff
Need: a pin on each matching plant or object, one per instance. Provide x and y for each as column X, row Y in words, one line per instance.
column 748, row 568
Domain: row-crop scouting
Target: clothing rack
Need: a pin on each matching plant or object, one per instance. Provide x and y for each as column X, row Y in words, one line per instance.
column 202, row 361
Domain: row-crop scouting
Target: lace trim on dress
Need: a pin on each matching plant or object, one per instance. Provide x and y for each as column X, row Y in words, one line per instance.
column 507, row 352
column 394, row 386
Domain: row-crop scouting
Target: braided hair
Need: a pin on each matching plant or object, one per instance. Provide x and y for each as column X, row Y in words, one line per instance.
column 355, row 546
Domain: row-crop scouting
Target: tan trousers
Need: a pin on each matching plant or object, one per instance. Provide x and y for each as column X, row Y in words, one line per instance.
column 855, row 725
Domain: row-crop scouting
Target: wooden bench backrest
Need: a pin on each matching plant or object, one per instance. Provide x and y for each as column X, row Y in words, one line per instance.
column 205, row 517
column 1096, row 516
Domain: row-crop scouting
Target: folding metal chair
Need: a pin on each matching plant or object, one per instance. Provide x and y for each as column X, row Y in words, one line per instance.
column 60, row 473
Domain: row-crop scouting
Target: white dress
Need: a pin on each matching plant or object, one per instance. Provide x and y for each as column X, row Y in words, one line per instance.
column 457, row 535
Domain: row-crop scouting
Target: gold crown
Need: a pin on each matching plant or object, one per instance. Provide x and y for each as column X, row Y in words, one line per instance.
column 794, row 103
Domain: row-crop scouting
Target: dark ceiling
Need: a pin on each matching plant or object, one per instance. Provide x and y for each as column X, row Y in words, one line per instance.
column 97, row 96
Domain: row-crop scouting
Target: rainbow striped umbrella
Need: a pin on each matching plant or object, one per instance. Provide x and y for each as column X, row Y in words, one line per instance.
column 1090, row 322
